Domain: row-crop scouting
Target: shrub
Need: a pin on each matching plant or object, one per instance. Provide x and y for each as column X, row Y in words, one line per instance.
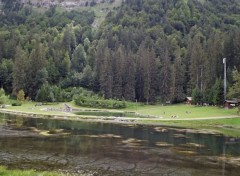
column 21, row 95
column 48, row 93
column 95, row 102
column 18, row 103
column 3, row 97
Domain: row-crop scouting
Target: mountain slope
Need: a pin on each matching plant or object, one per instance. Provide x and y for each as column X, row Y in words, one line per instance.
column 144, row 50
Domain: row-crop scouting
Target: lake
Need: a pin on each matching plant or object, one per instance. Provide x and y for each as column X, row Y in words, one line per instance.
column 98, row 148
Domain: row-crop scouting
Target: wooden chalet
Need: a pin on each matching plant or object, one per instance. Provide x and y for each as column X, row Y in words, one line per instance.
column 188, row 100
column 228, row 104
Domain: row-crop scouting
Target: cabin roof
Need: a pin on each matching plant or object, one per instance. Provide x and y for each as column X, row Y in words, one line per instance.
column 231, row 101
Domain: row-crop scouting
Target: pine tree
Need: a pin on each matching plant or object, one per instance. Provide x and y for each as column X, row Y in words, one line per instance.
column 3, row 97
column 20, row 71
column 196, row 63
column 99, row 64
column 234, row 90
column 166, row 77
column 232, row 49
column 117, row 68
column 213, row 59
column 140, row 73
column 106, row 78
column 53, row 73
column 66, row 65
column 218, row 97
column 69, row 40
column 197, row 96
column 21, row 95
column 6, row 67
column 79, row 60
column 154, row 76
column 128, row 81
column 36, row 71
column 87, row 77
column 178, row 81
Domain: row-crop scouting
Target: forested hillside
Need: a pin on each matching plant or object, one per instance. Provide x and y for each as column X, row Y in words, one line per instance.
column 145, row 50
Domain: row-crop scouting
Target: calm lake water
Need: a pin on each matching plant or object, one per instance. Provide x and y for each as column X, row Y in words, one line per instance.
column 115, row 149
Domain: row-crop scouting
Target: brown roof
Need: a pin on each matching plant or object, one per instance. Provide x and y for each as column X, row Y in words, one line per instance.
column 231, row 101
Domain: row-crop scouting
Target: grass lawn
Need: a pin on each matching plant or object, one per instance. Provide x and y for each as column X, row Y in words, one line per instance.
column 165, row 112
column 185, row 115
column 182, row 111
column 29, row 107
column 229, row 127
column 6, row 172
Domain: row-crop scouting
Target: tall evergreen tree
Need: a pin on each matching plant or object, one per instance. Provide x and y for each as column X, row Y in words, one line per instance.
column 36, row 71
column 106, row 78
column 117, row 69
column 234, row 90
column 178, row 77
column 99, row 64
column 140, row 73
column 66, row 65
column 79, row 60
column 196, row 63
column 128, row 80
column 213, row 59
column 218, row 97
column 20, row 71
column 166, row 77
column 69, row 40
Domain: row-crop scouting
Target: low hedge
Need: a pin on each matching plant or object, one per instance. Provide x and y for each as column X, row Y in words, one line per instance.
column 17, row 104
column 99, row 103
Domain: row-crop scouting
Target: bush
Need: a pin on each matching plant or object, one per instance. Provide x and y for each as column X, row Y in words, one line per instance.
column 17, row 104
column 48, row 93
column 21, row 95
column 3, row 97
column 94, row 102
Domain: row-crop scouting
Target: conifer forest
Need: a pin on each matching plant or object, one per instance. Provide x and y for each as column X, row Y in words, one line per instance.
column 144, row 50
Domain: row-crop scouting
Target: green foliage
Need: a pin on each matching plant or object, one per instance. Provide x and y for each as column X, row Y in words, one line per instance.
column 213, row 96
column 143, row 50
column 6, row 68
column 234, row 90
column 218, row 97
column 45, row 94
column 2, row 92
column 108, row 114
column 48, row 93
column 4, row 171
column 18, row 103
column 197, row 96
column 21, row 96
column 95, row 102
column 3, row 97
column 78, row 61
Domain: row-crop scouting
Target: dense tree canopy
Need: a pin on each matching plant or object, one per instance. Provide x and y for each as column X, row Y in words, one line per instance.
column 145, row 50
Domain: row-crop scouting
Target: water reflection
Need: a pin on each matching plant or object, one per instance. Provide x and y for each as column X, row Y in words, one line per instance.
column 114, row 149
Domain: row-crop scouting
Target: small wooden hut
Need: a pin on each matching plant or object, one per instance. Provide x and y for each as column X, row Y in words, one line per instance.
column 228, row 104
column 188, row 100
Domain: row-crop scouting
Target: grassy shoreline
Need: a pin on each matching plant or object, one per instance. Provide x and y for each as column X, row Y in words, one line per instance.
column 222, row 121
column 16, row 172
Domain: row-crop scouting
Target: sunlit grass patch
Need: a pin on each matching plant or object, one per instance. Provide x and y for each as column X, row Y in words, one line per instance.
column 183, row 111
column 6, row 172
